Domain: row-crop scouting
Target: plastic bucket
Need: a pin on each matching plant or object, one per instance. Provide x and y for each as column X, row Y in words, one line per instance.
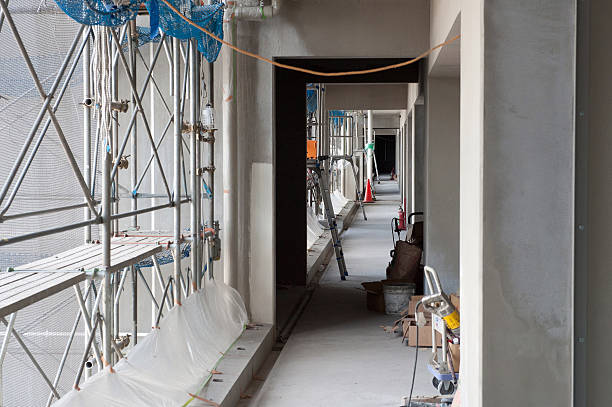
column 397, row 296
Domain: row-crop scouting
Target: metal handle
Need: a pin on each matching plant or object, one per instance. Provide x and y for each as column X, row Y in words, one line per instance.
column 431, row 274
column 412, row 215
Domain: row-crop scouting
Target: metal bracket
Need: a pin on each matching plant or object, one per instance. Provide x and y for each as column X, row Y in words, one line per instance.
column 201, row 171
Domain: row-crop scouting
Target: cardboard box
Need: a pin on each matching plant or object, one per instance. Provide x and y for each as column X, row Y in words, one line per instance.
column 410, row 332
column 375, row 298
column 412, row 305
column 455, row 300
column 455, row 355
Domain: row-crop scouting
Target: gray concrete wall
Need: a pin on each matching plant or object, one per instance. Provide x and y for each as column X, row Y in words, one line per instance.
column 599, row 282
column 442, row 181
column 418, row 139
column 517, row 138
column 367, row 96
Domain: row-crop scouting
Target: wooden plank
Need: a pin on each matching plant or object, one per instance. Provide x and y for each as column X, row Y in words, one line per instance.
column 52, row 262
column 19, row 285
column 77, row 260
column 10, row 277
column 24, row 299
column 97, row 260
column 40, row 264
column 128, row 254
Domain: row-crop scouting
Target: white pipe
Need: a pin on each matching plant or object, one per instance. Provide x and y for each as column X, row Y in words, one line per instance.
column 230, row 158
column 255, row 12
column 370, row 150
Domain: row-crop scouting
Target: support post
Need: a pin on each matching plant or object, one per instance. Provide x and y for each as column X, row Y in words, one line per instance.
column 230, row 162
column 132, row 43
column 107, row 289
column 87, row 129
column 193, row 161
column 369, row 148
column 176, row 81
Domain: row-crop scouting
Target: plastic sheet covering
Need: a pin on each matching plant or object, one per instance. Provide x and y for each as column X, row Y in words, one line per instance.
column 338, row 201
column 173, row 360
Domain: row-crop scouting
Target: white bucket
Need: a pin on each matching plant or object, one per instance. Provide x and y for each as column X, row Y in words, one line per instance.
column 397, row 296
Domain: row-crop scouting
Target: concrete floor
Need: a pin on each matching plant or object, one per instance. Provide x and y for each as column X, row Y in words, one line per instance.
column 338, row 355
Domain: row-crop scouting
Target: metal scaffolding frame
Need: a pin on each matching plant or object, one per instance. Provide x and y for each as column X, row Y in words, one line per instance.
column 99, row 305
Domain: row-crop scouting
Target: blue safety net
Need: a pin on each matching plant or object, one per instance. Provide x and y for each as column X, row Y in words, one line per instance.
column 100, row 12
column 144, row 37
column 165, row 257
column 209, row 17
column 311, row 100
column 108, row 13
column 334, row 116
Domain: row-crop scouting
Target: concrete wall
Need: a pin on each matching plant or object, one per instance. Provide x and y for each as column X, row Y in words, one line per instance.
column 517, row 138
column 418, row 132
column 349, row 28
column 599, row 282
column 367, row 96
column 442, row 17
column 442, row 181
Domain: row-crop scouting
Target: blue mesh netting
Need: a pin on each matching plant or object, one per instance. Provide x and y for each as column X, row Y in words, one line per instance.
column 337, row 120
column 105, row 12
column 209, row 17
column 144, row 37
column 165, row 257
column 99, row 12
column 311, row 100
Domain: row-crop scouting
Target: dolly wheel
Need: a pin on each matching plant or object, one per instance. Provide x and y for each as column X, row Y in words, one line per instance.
column 446, row 387
column 435, row 382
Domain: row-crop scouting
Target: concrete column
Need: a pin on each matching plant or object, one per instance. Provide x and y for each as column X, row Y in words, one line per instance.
column 442, row 185
column 418, row 157
column 370, row 152
column 516, row 202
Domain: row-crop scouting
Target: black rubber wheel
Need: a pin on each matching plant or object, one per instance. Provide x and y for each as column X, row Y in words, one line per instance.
column 446, row 388
column 435, row 382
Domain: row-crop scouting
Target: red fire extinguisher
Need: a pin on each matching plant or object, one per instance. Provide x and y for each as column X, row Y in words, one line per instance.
column 402, row 219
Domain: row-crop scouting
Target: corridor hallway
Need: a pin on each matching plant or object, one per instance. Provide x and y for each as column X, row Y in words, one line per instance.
column 338, row 355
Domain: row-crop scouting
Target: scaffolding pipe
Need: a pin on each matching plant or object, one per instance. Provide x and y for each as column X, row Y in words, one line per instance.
column 87, row 129
column 152, row 173
column 193, row 151
column 230, row 159
column 133, row 37
column 107, row 288
column 210, row 174
column 176, row 70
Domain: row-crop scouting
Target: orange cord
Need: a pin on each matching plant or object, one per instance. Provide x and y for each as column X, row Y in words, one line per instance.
column 304, row 70
column 212, row 403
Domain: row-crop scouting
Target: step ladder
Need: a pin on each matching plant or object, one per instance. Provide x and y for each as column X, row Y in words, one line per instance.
column 323, row 189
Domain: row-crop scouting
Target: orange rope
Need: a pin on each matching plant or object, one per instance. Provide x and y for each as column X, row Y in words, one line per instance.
column 304, row 70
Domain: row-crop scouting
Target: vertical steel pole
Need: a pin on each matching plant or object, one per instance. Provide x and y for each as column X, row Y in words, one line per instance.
column 3, row 350
column 87, row 129
column 107, row 289
column 211, row 171
column 115, row 130
column 193, row 165
column 134, row 305
column 132, row 43
column 152, row 175
column 176, row 81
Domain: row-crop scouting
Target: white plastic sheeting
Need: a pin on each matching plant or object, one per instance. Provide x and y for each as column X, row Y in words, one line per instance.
column 313, row 228
column 171, row 361
column 338, row 201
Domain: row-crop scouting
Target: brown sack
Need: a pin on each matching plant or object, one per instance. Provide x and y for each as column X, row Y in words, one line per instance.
column 405, row 262
column 414, row 234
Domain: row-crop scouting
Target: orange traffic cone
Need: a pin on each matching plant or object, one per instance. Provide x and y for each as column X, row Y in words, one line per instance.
column 368, row 194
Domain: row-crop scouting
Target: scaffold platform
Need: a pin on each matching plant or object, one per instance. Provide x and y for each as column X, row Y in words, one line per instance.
column 40, row 279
